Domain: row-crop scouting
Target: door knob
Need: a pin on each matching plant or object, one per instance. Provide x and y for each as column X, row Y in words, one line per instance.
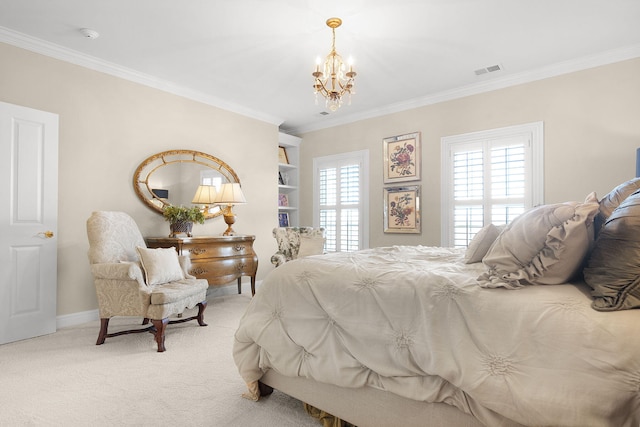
column 46, row 234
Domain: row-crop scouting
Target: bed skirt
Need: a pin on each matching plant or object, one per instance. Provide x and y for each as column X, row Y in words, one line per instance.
column 369, row 407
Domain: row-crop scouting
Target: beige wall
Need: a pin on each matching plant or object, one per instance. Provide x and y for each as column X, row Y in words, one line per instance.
column 591, row 130
column 107, row 127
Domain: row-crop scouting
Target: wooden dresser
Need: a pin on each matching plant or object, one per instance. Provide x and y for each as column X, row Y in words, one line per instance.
column 219, row 259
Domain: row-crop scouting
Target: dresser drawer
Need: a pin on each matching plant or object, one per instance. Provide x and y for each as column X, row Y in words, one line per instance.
column 224, row 271
column 197, row 251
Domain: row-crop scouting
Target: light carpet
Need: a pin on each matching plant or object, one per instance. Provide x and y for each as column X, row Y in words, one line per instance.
column 64, row 379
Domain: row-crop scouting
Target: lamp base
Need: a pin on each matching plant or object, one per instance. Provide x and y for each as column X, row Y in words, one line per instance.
column 230, row 220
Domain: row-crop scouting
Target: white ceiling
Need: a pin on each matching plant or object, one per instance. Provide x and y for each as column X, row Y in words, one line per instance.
column 256, row 56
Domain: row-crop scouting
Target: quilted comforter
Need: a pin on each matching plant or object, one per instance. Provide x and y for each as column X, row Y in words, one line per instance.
column 412, row 320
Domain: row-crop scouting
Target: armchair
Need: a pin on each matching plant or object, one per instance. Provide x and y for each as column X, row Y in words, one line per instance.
column 132, row 280
column 297, row 242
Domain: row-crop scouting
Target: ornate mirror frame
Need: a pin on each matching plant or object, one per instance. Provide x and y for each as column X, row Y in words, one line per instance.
column 144, row 181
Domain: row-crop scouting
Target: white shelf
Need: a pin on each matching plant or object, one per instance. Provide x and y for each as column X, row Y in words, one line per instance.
column 283, row 166
column 292, row 146
column 287, row 188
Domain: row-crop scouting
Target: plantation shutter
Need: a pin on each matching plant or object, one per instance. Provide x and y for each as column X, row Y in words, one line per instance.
column 340, row 202
column 490, row 181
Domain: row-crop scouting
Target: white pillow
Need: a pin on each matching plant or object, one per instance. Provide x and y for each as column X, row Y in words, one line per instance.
column 310, row 246
column 160, row 265
column 546, row 245
column 481, row 243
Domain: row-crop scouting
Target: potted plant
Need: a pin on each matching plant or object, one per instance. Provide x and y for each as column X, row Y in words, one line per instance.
column 181, row 218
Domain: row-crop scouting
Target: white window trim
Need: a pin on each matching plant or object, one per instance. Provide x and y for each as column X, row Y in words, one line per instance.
column 363, row 158
column 535, row 133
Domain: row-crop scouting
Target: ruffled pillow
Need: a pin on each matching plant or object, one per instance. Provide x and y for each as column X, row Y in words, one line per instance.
column 546, row 245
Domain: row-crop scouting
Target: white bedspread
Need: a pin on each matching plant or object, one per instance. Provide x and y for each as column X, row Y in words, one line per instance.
column 413, row 321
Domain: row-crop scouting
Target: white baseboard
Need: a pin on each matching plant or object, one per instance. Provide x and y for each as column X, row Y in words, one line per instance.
column 74, row 319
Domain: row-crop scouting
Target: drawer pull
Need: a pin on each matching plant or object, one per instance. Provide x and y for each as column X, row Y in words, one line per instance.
column 241, row 266
column 198, row 271
column 238, row 248
column 198, row 251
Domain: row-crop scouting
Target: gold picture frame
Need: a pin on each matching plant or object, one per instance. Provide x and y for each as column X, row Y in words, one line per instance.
column 402, row 158
column 402, row 209
column 282, row 156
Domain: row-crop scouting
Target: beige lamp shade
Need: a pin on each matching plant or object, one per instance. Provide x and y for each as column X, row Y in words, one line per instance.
column 205, row 195
column 230, row 194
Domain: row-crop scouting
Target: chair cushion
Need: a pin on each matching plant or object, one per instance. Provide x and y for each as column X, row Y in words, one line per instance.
column 168, row 293
column 160, row 265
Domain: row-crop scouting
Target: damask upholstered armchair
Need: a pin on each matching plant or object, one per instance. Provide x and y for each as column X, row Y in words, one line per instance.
column 132, row 280
column 297, row 242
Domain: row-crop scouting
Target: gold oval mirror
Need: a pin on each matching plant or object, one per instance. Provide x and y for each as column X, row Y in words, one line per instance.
column 174, row 178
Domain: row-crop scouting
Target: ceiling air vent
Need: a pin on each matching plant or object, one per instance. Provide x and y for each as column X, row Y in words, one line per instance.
column 489, row 69
column 324, row 113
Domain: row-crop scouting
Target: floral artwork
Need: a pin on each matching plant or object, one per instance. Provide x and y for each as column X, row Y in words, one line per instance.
column 402, row 209
column 401, row 162
column 402, row 158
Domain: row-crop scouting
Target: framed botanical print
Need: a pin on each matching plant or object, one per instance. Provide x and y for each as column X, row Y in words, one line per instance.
column 402, row 158
column 402, row 209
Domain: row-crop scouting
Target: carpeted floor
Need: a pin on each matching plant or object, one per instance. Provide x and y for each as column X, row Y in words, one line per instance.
column 64, row 379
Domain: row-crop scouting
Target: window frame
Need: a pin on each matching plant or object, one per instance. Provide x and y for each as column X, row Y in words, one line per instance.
column 534, row 154
column 337, row 160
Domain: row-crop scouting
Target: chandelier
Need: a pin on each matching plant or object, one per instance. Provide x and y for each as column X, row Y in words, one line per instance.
column 332, row 81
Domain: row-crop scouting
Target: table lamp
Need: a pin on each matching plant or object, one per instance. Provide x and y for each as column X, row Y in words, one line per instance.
column 205, row 195
column 230, row 194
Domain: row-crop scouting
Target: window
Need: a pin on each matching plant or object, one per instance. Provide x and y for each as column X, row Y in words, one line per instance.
column 341, row 199
column 489, row 177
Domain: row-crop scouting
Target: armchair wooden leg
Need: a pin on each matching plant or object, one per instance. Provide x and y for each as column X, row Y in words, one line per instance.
column 145, row 321
column 102, row 335
column 160, row 327
column 200, row 317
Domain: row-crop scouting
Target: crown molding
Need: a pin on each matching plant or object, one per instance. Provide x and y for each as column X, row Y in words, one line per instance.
column 553, row 70
column 52, row 50
column 68, row 55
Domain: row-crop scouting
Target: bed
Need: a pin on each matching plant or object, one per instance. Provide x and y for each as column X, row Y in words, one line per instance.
column 541, row 335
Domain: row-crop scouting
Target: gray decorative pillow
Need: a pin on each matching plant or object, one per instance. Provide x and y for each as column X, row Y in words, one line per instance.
column 546, row 245
column 481, row 243
column 612, row 200
column 613, row 270
column 160, row 265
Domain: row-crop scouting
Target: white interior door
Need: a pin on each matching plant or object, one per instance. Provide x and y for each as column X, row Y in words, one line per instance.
column 28, row 222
